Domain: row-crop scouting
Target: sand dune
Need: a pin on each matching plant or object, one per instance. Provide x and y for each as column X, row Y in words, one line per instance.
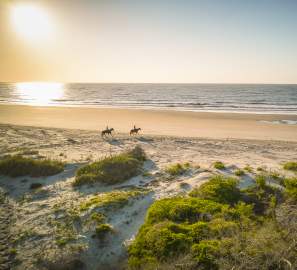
column 37, row 213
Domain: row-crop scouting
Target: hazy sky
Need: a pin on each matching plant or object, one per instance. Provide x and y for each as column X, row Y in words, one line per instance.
column 229, row 41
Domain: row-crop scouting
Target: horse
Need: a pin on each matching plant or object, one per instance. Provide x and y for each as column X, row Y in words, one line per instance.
column 107, row 131
column 134, row 130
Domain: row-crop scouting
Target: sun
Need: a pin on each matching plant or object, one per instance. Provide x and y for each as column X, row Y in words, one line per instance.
column 31, row 22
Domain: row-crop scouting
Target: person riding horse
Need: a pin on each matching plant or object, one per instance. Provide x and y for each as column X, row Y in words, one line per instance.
column 134, row 130
column 107, row 131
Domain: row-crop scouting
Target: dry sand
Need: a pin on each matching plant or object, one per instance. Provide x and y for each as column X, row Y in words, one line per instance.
column 154, row 122
column 37, row 213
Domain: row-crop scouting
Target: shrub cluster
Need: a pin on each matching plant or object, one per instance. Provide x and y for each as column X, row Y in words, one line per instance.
column 111, row 170
column 291, row 166
column 219, row 165
column 177, row 169
column 217, row 226
column 20, row 166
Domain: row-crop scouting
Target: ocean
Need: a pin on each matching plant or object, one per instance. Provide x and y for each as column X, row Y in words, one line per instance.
column 241, row 98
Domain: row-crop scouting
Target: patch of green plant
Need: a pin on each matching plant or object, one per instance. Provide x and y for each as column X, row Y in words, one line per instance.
column 261, row 169
column 248, row 168
column 290, row 166
column 111, row 170
column 177, row 169
column 115, row 199
column 218, row 224
column 261, row 180
column 239, row 172
column 219, row 165
column 102, row 230
column 20, row 166
column 146, row 174
column 97, row 217
column 219, row 189
column 291, row 187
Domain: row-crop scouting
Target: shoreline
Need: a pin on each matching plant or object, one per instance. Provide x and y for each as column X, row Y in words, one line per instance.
column 154, row 122
column 144, row 108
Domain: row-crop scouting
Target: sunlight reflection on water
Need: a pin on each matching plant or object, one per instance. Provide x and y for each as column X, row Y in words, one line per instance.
column 40, row 93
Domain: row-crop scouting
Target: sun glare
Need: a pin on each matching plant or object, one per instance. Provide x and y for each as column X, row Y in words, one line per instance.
column 31, row 21
column 39, row 93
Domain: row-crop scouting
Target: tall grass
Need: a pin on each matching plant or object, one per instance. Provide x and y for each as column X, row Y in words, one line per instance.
column 112, row 169
column 20, row 166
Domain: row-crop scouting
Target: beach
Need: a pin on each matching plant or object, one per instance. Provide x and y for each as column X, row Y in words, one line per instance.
column 40, row 215
column 155, row 122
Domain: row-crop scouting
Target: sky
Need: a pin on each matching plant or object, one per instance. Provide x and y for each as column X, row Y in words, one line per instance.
column 154, row 41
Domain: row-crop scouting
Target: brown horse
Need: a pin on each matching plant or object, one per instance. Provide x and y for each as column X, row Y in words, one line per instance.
column 134, row 131
column 107, row 131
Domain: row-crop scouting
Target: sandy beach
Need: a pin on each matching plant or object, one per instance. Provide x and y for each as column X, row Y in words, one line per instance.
column 38, row 212
column 154, row 122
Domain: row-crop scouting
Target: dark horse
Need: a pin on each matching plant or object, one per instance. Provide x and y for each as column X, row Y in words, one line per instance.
column 134, row 130
column 106, row 131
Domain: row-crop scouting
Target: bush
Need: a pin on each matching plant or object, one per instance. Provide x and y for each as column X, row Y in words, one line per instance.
column 291, row 166
column 103, row 230
column 219, row 189
column 205, row 253
column 248, row 168
column 239, row 172
column 177, row 169
column 219, row 165
column 20, row 166
column 221, row 227
column 112, row 169
column 291, row 188
column 261, row 181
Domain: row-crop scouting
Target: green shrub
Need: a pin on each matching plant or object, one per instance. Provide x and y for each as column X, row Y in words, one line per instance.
column 219, row 189
column 239, row 172
column 103, row 230
column 291, row 166
column 181, row 209
column 219, row 165
column 219, row 227
column 261, row 181
column 291, row 188
column 177, row 169
column 248, row 168
column 20, row 166
column 111, row 170
column 110, row 199
column 205, row 253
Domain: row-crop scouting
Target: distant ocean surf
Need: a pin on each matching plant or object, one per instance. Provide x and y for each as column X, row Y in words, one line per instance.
column 251, row 98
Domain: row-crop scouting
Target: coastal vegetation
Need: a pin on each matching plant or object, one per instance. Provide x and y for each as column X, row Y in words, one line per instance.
column 114, row 199
column 113, row 169
column 219, row 165
column 23, row 166
column 177, row 169
column 219, row 226
column 290, row 166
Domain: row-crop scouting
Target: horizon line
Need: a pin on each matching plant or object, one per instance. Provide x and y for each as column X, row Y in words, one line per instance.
column 89, row 82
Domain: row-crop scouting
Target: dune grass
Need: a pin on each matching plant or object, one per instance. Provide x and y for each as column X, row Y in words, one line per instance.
column 113, row 199
column 219, row 165
column 219, row 227
column 291, row 166
column 239, row 172
column 102, row 230
column 111, row 170
column 20, row 166
column 177, row 169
